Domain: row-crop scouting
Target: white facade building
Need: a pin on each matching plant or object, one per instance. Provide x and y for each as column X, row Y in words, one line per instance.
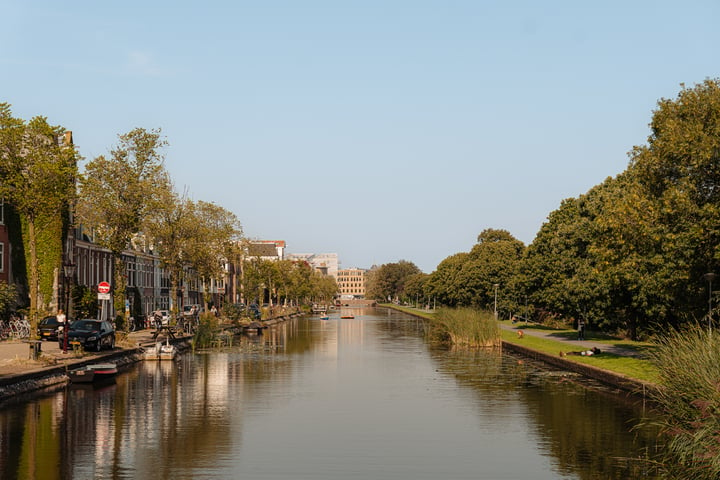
column 326, row 263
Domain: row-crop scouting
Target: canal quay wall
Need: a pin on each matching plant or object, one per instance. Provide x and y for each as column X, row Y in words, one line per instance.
column 606, row 377
column 30, row 377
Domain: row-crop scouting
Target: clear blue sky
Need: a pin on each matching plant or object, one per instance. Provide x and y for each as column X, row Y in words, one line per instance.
column 378, row 130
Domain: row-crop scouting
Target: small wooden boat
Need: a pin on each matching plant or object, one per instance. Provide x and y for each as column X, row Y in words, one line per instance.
column 325, row 317
column 93, row 373
column 347, row 316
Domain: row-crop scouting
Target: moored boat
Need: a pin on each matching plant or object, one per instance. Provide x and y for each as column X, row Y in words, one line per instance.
column 161, row 351
column 93, row 373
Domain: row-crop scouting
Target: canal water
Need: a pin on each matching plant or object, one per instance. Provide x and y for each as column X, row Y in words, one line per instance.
column 363, row 398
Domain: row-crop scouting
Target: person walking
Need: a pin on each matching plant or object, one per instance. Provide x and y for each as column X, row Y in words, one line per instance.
column 62, row 320
column 581, row 329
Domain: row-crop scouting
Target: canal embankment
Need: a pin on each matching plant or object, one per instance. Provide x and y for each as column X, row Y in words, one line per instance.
column 610, row 378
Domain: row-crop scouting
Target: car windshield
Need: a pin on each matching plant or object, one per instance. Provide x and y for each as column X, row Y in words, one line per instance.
column 50, row 321
column 86, row 325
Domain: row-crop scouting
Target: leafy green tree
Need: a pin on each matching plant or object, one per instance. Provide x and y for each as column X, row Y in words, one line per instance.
column 469, row 279
column 553, row 269
column 215, row 231
column 301, row 282
column 38, row 170
column 388, row 281
column 326, row 287
column 415, row 286
column 678, row 174
column 120, row 193
column 444, row 284
column 171, row 229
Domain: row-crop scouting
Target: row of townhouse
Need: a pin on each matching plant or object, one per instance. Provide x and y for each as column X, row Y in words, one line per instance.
column 148, row 284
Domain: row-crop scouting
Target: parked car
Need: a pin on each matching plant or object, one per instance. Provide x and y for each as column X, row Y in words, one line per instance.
column 48, row 327
column 91, row 334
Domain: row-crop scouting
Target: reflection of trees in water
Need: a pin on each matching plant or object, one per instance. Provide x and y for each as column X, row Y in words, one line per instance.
column 589, row 432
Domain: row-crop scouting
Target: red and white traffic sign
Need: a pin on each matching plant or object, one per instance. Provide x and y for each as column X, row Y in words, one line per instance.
column 103, row 287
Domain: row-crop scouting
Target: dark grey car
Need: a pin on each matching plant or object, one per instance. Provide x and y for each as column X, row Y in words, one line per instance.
column 91, row 334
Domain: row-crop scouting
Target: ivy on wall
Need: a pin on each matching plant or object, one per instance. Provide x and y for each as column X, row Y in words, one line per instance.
column 18, row 269
column 49, row 254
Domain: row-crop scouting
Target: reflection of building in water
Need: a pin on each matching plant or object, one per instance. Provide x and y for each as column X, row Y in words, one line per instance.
column 216, row 381
column 352, row 332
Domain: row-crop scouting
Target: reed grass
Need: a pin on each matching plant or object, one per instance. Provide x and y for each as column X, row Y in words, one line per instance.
column 688, row 363
column 469, row 328
column 207, row 332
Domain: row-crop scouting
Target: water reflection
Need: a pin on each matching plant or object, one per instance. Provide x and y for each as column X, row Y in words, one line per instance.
column 362, row 398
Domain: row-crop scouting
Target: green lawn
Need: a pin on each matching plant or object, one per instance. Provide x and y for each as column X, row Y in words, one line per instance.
column 636, row 368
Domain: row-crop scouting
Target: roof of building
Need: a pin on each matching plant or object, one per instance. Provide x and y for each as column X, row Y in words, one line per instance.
column 262, row 250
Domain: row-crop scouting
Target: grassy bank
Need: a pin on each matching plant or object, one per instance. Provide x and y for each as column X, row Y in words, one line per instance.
column 638, row 366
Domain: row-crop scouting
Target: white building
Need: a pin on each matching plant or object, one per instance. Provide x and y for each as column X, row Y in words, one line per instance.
column 326, row 263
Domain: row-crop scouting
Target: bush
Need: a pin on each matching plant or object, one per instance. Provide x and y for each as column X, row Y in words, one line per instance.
column 207, row 331
column 8, row 297
column 689, row 398
column 233, row 312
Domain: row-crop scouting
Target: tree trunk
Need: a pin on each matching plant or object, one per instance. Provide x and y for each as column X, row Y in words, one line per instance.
column 119, row 289
column 34, row 274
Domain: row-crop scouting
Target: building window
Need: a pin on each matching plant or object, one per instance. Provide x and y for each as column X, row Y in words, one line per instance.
column 2, row 257
column 2, row 211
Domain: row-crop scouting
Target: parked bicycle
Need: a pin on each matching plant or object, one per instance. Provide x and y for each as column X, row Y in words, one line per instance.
column 19, row 327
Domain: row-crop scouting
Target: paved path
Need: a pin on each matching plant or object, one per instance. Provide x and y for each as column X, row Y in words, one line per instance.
column 572, row 343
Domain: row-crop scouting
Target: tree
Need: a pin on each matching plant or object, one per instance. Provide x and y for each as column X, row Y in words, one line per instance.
column 678, row 174
column 215, row 230
column 38, row 168
column 388, row 281
column 469, row 279
column 415, row 286
column 553, row 273
column 444, row 283
column 170, row 229
column 119, row 193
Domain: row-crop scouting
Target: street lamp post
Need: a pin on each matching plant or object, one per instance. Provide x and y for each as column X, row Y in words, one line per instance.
column 496, row 287
column 709, row 277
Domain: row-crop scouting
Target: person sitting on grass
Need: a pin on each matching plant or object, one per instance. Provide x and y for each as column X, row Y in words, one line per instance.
column 584, row 353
